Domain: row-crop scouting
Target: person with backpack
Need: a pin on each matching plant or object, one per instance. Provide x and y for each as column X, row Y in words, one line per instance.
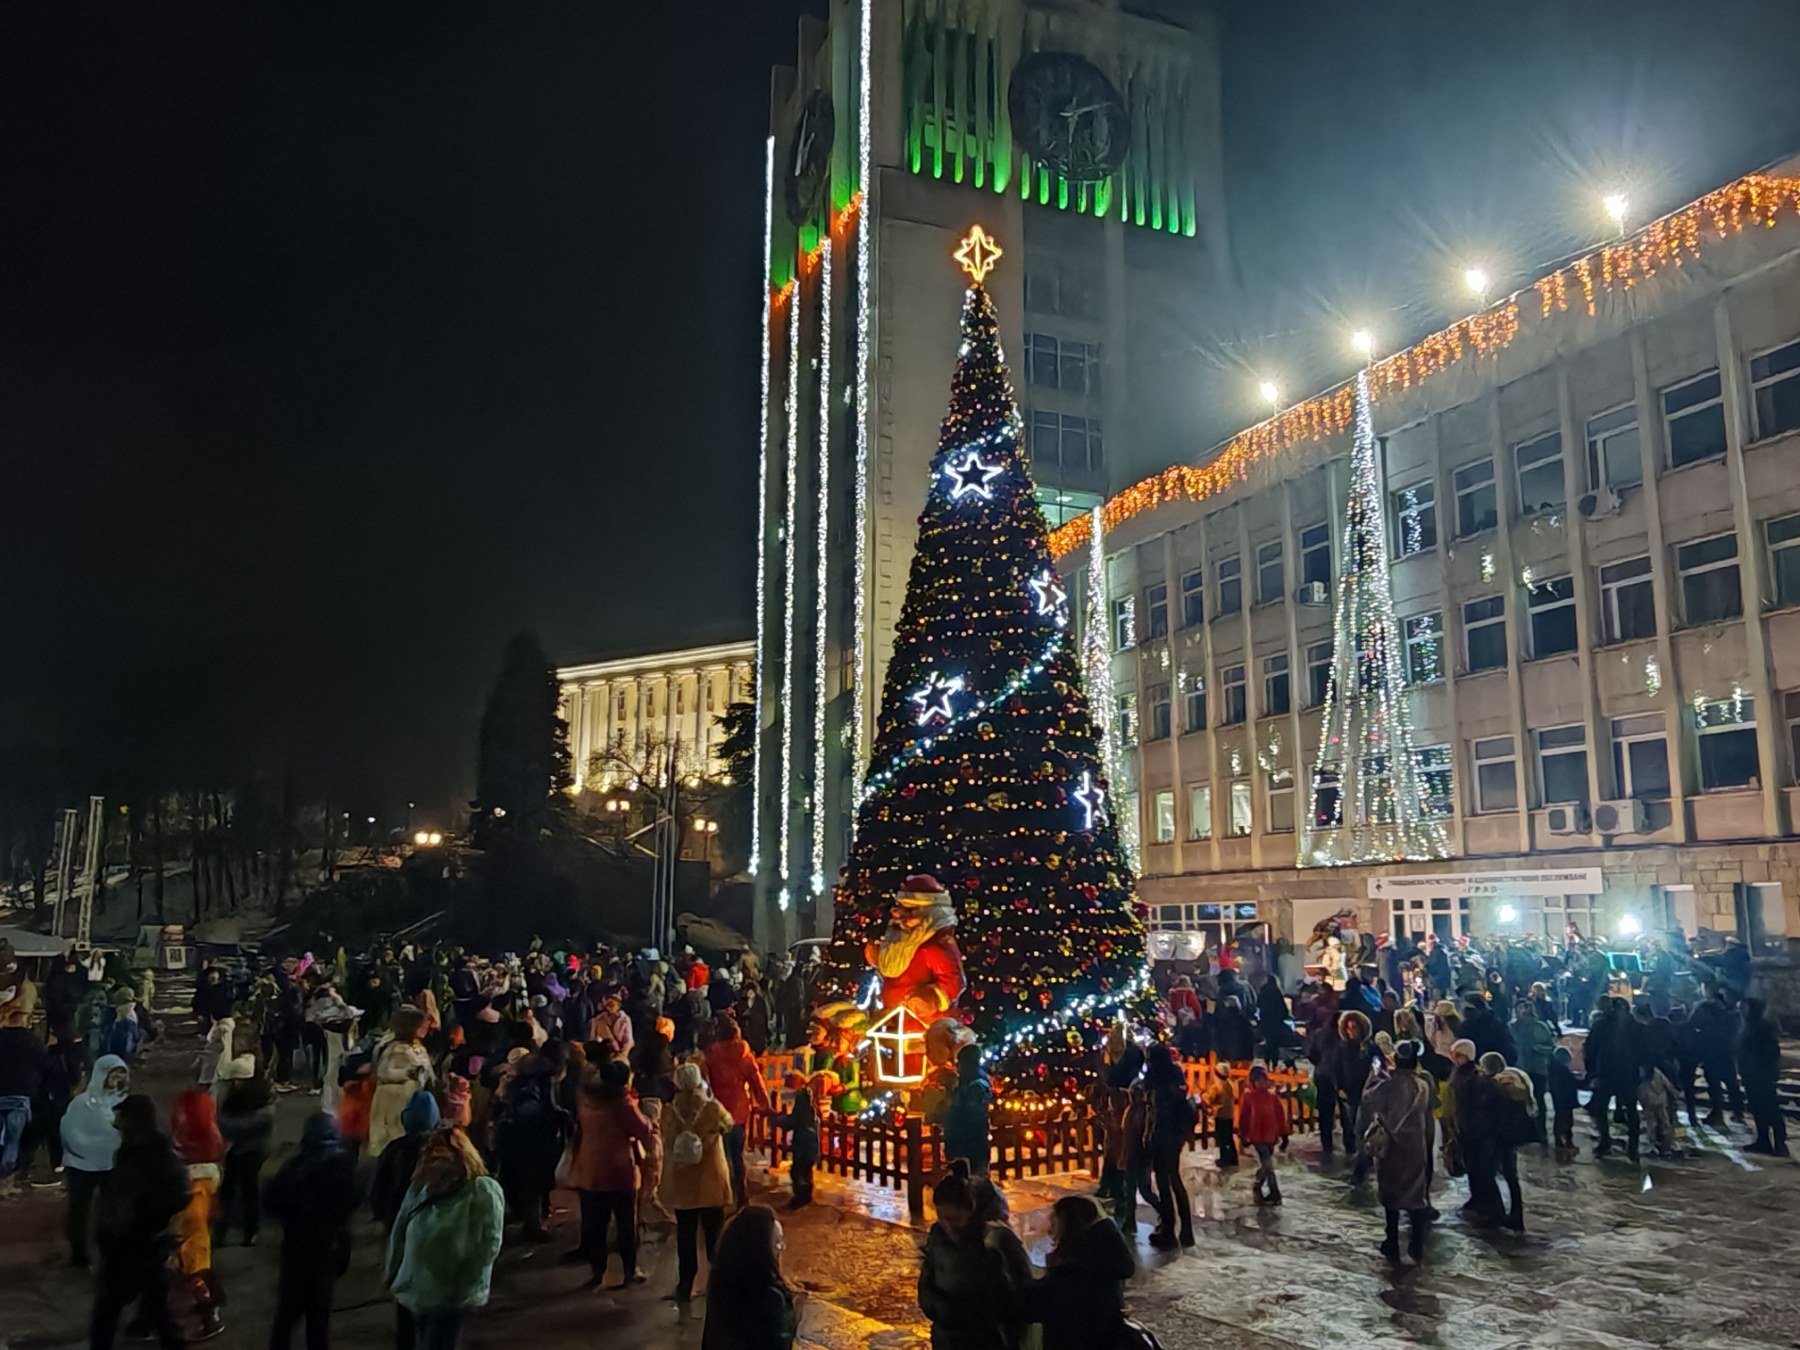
column 1080, row 1301
column 696, row 1180
column 1173, row 1117
column 313, row 1195
column 974, row 1273
column 1512, row 1122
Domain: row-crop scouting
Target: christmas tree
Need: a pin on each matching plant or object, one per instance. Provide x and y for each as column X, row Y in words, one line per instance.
column 1369, row 801
column 986, row 772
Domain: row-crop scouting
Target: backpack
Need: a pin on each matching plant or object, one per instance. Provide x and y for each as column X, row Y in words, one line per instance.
column 686, row 1149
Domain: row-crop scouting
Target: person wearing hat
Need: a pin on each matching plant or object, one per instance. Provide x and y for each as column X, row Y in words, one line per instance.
column 611, row 1026
column 1397, row 1136
column 124, row 1030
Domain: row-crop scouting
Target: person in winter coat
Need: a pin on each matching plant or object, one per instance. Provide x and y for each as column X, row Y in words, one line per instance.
column 611, row 1026
column 974, row 1273
column 1565, row 1088
column 1398, row 1133
column 1536, row 1043
column 440, row 1256
column 1183, row 996
column 313, row 1195
column 1272, row 1016
column 65, row 1070
column 1759, row 1063
column 736, row 1081
column 1234, row 1039
column 753, row 1017
column 964, row 1114
column 194, row 1125
column 1511, row 1123
column 1220, row 1100
column 1080, row 1301
column 801, row 1121
column 126, row 1025
column 604, row 1172
column 749, row 1304
column 90, row 1140
column 1614, row 1056
column 212, row 999
column 1482, row 1025
column 528, row 1140
column 146, row 1188
column 1172, row 1120
column 399, row 1160
column 401, row 1068
column 1262, row 1124
column 23, row 1059
column 696, row 1180
column 1713, row 1029
column 246, row 1120
column 1344, row 1070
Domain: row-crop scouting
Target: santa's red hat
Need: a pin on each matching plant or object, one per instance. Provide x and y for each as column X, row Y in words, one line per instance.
column 921, row 891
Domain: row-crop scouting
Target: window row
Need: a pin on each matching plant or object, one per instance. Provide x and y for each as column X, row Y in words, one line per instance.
column 1061, row 363
column 1693, row 417
column 1314, row 545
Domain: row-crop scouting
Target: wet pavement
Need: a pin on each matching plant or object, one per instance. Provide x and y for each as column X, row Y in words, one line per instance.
column 1684, row 1252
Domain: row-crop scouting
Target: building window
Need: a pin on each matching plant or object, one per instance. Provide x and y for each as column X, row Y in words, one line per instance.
column 1727, row 735
column 1613, row 457
column 1627, row 601
column 1040, row 362
column 1061, row 444
column 1194, row 716
column 1438, row 779
column 1775, row 391
column 1792, row 702
column 680, row 700
column 1761, row 917
column 1641, row 757
column 1484, row 633
column 1216, row 925
column 1327, row 799
column 1424, row 648
column 619, row 709
column 1156, row 610
column 1496, row 786
column 1415, row 519
column 1446, row 916
column 1562, row 764
column 1200, row 812
column 1280, row 803
column 1232, row 678
column 1540, row 465
column 1552, row 606
column 1318, row 673
column 1315, row 555
column 1477, row 503
column 1231, row 586
column 1784, row 558
column 1710, row 590
column 1563, row 913
column 1694, row 420
column 1073, row 367
column 1277, row 688
column 1239, row 824
column 1158, row 694
column 1125, row 715
column 1124, row 622
column 1270, row 582
column 1193, row 598
column 1162, row 806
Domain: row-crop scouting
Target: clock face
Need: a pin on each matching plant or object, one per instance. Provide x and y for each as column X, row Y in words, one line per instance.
column 809, row 158
column 1068, row 116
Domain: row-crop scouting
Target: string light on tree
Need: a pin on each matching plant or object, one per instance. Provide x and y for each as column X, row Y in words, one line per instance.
column 1052, row 599
column 1090, row 799
column 968, row 474
column 933, row 698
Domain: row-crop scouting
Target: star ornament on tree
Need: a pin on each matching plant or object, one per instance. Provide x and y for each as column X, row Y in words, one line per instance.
column 1052, row 599
column 933, row 700
column 968, row 473
column 1090, row 798
column 978, row 253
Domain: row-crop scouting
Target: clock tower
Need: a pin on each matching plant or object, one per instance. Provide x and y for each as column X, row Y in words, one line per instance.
column 1084, row 136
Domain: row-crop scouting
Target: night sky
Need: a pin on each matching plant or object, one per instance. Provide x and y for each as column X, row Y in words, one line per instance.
column 340, row 341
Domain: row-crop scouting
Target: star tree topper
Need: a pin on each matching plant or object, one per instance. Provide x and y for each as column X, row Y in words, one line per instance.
column 978, row 253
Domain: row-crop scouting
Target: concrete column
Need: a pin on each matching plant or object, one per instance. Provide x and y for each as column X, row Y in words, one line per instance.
column 1218, row 792
column 1574, row 484
column 1298, row 773
column 1171, row 588
column 1452, row 631
column 1506, row 485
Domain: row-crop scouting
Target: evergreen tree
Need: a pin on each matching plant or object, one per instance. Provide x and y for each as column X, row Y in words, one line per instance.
column 522, row 765
column 986, row 771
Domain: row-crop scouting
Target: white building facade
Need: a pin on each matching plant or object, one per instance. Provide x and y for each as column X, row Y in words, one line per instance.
column 625, row 715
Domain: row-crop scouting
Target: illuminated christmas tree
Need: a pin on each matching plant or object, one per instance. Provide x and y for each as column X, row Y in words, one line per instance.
column 986, row 772
column 1369, row 801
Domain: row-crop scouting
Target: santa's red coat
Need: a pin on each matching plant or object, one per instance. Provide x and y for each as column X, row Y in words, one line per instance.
column 933, row 980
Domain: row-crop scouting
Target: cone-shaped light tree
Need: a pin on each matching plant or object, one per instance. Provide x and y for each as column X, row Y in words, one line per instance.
column 1369, row 799
column 986, row 769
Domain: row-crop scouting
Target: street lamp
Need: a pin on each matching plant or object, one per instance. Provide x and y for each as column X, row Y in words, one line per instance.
column 1364, row 341
column 1617, row 205
column 1271, row 395
column 1478, row 281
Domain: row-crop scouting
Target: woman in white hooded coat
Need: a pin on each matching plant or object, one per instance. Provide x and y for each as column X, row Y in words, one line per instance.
column 89, row 1140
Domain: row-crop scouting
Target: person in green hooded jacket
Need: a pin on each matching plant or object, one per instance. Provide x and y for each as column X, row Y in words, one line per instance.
column 441, row 1253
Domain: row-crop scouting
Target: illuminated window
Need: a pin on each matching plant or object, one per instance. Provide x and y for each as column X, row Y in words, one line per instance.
column 1162, row 805
column 1424, row 648
column 1200, row 812
column 1415, row 519
column 1540, row 466
column 1239, row 824
column 1280, row 801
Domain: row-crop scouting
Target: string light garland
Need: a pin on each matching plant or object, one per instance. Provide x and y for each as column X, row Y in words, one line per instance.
column 822, row 574
column 859, row 721
column 768, row 301
column 1369, row 800
column 1675, row 239
column 982, row 793
column 791, row 538
column 1096, row 665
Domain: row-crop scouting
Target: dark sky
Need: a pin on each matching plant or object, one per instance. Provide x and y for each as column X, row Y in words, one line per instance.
column 340, row 341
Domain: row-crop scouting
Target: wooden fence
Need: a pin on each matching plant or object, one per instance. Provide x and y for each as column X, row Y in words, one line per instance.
column 1291, row 1085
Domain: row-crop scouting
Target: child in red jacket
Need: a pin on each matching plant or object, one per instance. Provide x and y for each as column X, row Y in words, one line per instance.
column 1262, row 1123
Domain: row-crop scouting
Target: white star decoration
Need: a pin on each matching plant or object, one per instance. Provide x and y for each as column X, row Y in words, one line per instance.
column 1090, row 799
column 933, row 699
column 1052, row 599
column 968, row 473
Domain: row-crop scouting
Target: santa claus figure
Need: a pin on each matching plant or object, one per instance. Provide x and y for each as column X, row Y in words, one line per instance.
column 917, row 958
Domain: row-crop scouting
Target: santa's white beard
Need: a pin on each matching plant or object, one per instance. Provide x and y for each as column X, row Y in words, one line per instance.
column 895, row 952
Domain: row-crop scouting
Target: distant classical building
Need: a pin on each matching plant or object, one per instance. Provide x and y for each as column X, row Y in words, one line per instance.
column 1084, row 135
column 1592, row 496
column 624, row 714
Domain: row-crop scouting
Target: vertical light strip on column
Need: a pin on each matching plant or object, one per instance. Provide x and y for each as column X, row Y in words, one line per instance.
column 865, row 224
column 822, row 581
column 792, row 540
column 766, row 300
column 1096, row 660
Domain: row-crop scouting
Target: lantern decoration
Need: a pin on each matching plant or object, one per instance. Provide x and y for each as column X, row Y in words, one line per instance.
column 898, row 1040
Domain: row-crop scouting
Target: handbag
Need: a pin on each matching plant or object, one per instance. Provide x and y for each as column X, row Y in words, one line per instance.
column 565, row 1167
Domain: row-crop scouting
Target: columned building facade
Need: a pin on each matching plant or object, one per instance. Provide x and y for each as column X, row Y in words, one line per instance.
column 625, row 715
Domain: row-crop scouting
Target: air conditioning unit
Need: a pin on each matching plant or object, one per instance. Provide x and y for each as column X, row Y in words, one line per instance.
column 1569, row 818
column 1602, row 501
column 1625, row 816
column 1311, row 593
